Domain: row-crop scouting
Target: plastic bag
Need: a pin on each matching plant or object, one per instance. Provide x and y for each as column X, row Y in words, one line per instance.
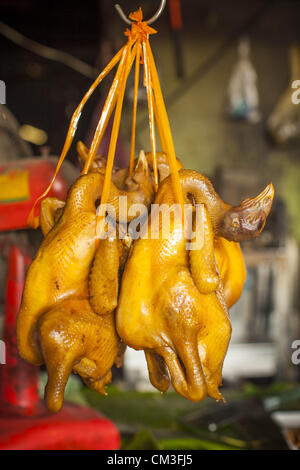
column 242, row 90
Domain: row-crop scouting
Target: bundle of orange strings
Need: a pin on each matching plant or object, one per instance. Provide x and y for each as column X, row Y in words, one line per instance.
column 136, row 50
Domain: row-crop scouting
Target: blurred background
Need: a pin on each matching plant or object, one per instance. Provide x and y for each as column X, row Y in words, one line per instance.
column 226, row 70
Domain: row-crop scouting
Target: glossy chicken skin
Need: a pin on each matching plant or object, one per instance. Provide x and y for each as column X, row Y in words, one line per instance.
column 231, row 265
column 56, row 298
column 235, row 223
column 140, row 190
column 61, row 267
column 178, row 314
column 104, row 275
column 72, row 337
column 162, row 164
column 51, row 209
column 104, row 279
column 55, row 303
column 120, row 176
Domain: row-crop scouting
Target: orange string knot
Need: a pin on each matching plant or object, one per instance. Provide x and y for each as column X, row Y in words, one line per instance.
column 140, row 29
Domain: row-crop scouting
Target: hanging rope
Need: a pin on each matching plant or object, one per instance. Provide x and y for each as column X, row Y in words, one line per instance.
column 136, row 50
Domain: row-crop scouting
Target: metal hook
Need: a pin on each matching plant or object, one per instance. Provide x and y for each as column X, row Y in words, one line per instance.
column 152, row 19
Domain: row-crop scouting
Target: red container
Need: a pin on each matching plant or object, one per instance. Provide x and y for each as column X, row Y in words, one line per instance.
column 25, row 423
column 22, row 182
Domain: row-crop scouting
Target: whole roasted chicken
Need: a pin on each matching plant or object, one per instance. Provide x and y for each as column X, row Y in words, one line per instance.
column 172, row 302
column 61, row 321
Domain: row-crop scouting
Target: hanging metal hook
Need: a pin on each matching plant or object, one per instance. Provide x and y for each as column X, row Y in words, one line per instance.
column 152, row 19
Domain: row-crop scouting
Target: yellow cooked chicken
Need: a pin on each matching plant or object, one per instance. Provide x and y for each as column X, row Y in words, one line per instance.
column 56, row 300
column 172, row 303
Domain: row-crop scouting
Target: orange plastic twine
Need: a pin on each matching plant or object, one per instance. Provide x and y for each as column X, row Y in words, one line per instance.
column 32, row 220
column 151, row 113
column 164, row 126
column 106, row 112
column 113, row 143
column 135, row 100
column 137, row 49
